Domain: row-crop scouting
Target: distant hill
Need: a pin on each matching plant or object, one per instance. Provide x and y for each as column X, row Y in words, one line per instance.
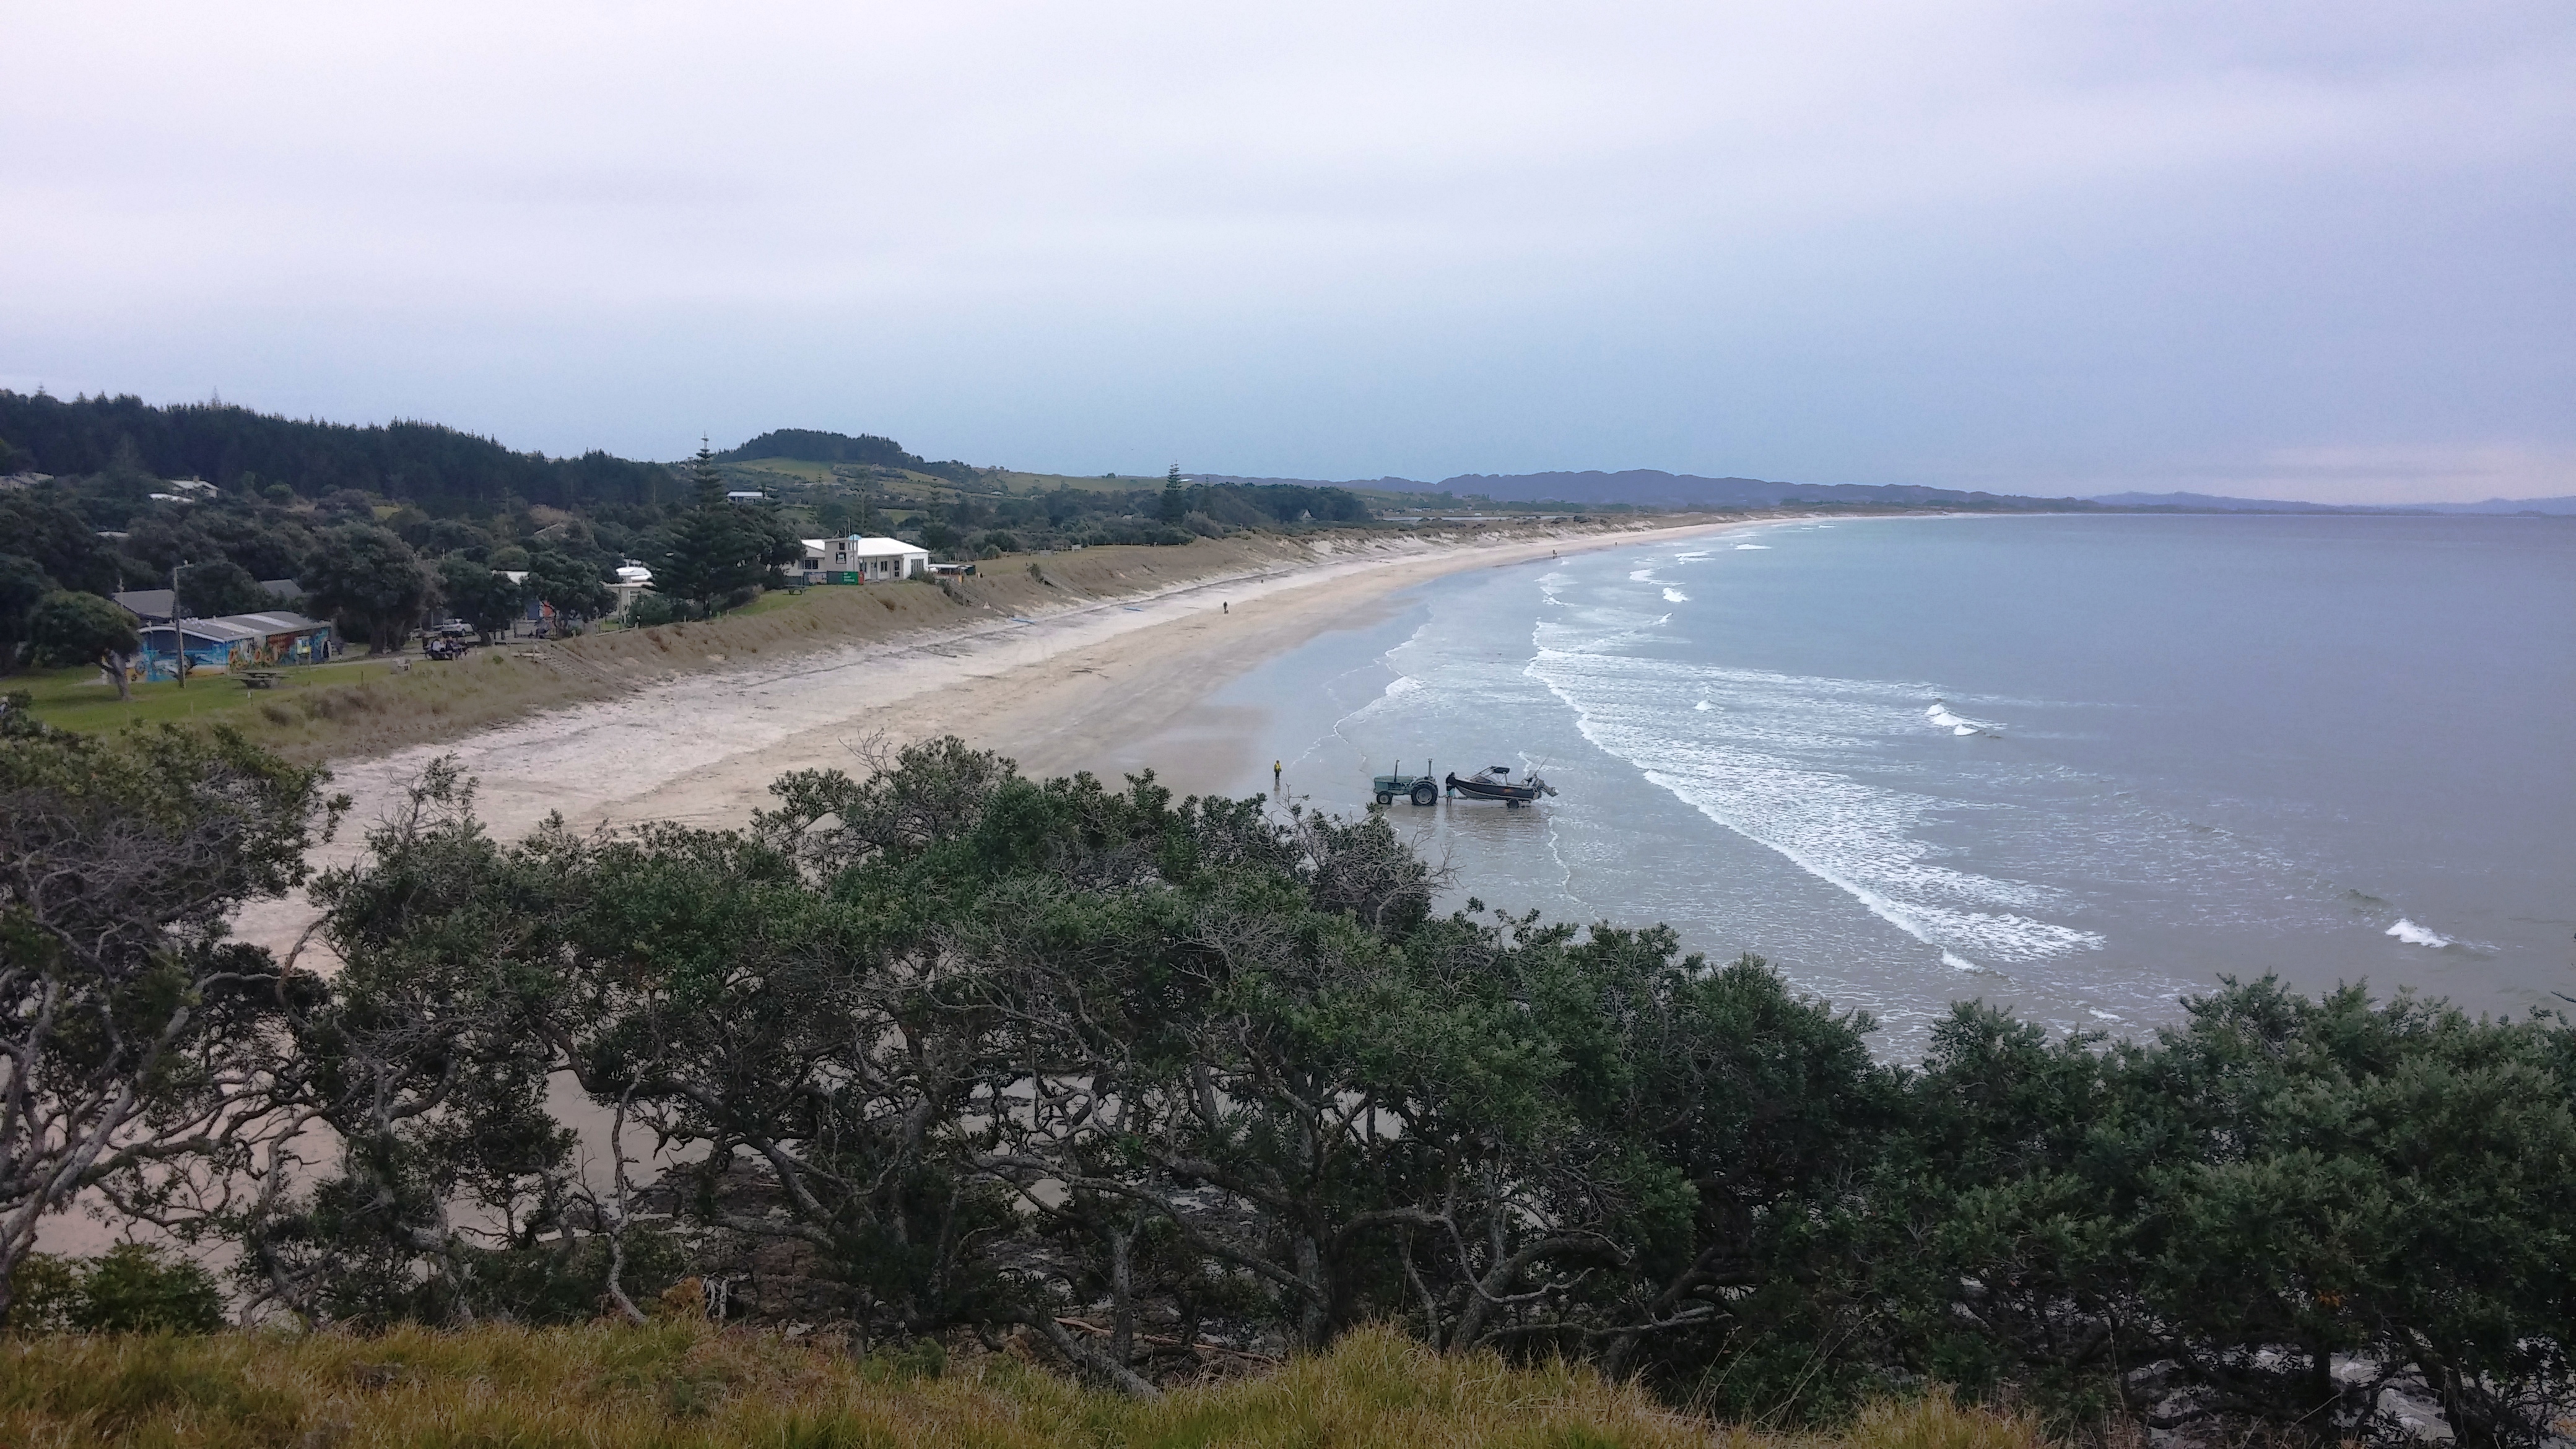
column 807, row 445
column 439, row 468
column 810, row 446
column 2212, row 503
column 2562, row 506
column 1683, row 490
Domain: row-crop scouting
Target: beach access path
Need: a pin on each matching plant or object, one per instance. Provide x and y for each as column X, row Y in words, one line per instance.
column 1055, row 691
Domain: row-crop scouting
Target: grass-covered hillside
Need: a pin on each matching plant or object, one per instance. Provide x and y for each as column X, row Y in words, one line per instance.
column 685, row 1384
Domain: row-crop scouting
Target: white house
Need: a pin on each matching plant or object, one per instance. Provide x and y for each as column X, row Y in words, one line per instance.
column 632, row 580
column 856, row 560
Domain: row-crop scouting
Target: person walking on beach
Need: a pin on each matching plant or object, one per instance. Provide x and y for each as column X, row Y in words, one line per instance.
column 1274, row 779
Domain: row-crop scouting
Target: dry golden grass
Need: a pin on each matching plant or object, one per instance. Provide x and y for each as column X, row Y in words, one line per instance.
column 431, row 701
column 687, row 1384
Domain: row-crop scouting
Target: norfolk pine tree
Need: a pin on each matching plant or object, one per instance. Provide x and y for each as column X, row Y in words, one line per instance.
column 711, row 551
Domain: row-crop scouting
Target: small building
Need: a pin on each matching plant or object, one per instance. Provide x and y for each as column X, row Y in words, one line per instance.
column 632, row 580
column 235, row 641
column 857, row 560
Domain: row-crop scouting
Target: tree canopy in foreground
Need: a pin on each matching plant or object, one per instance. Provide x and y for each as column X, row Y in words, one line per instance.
column 946, row 1050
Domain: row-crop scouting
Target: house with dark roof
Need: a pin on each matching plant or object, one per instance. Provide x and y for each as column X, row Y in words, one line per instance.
column 152, row 606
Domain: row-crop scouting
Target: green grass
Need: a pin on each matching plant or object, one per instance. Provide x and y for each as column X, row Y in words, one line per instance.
column 78, row 699
column 676, row 1383
column 771, row 603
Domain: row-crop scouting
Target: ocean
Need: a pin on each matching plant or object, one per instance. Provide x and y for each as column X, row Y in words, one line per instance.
column 2082, row 766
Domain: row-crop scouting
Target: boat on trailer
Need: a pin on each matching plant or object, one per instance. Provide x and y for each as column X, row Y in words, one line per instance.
column 1494, row 782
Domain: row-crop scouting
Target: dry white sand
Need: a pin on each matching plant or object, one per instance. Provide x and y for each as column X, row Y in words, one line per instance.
column 1057, row 693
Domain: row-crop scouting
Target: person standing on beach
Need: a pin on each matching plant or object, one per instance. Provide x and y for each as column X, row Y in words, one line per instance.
column 1274, row 779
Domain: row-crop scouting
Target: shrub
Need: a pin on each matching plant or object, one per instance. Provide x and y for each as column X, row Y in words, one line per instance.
column 650, row 610
column 134, row 1288
column 131, row 1288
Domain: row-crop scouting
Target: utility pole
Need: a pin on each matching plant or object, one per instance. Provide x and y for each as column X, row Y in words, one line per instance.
column 178, row 640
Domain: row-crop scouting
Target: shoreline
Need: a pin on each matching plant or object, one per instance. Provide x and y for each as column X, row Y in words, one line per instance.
column 1052, row 691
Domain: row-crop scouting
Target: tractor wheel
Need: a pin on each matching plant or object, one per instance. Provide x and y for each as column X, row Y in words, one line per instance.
column 1385, row 798
column 1425, row 794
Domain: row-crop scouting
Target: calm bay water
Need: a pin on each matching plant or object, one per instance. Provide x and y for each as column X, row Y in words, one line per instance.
column 2081, row 765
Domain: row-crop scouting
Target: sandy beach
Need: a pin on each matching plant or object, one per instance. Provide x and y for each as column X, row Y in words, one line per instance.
column 1055, row 691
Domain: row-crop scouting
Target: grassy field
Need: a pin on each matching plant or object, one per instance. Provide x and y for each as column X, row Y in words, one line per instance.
column 682, row 1384
column 80, row 699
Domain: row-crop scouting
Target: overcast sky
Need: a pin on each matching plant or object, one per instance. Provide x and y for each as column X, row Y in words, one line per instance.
column 2312, row 250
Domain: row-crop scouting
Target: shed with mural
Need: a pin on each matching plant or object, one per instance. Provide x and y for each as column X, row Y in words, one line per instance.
column 235, row 641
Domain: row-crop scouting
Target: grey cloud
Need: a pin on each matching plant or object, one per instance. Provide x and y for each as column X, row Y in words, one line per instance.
column 2000, row 244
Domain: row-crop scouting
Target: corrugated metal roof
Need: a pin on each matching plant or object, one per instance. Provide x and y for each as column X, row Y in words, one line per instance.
column 243, row 626
column 155, row 603
column 280, row 622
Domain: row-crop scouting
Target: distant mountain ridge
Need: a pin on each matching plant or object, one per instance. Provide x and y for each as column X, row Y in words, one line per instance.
column 2564, row 504
column 2218, row 503
column 1655, row 488
column 1684, row 490
column 2214, row 503
column 443, row 468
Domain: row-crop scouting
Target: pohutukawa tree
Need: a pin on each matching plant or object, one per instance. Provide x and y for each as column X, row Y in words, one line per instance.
column 944, row 1049
column 365, row 573
column 141, row 1050
column 70, row 628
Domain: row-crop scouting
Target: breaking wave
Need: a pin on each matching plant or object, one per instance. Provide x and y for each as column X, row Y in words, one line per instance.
column 1675, row 596
column 1940, row 715
column 2415, row 935
column 1742, row 768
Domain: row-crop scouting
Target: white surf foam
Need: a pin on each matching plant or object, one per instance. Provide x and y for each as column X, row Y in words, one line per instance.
column 1940, row 715
column 1703, row 705
column 1747, row 547
column 1675, row 596
column 1401, row 685
column 2415, row 935
column 1748, row 769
